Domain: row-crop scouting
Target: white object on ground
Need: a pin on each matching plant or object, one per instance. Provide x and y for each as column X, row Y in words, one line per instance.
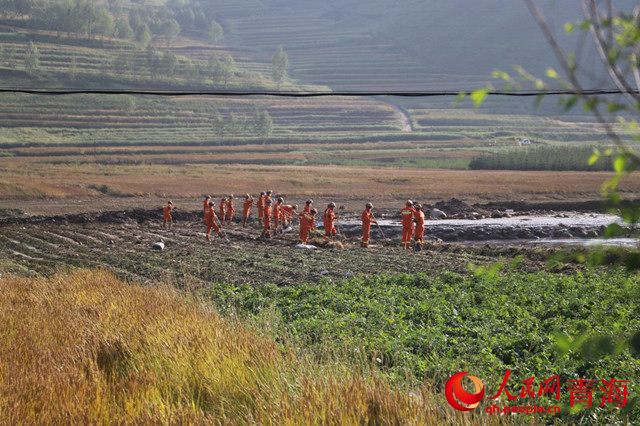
column 306, row 246
column 158, row 246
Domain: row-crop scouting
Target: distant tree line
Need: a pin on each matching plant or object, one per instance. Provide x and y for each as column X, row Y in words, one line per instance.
column 541, row 158
column 93, row 19
column 259, row 124
column 97, row 21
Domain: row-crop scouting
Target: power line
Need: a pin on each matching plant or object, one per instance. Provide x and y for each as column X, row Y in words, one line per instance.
column 303, row 94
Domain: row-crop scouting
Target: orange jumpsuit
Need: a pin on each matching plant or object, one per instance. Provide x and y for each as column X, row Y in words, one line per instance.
column 260, row 205
column 230, row 210
column 407, row 225
column 287, row 213
column 167, row 215
column 205, row 208
column 210, row 219
column 419, row 233
column 307, row 223
column 266, row 220
column 246, row 210
column 329, row 219
column 307, row 209
column 277, row 214
column 367, row 220
column 222, row 210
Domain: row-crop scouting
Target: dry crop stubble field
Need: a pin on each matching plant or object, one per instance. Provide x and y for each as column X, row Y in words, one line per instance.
column 30, row 183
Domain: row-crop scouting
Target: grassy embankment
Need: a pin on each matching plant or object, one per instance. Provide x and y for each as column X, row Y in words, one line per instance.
column 93, row 349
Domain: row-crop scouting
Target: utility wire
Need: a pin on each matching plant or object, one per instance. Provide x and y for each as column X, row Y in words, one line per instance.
column 302, row 94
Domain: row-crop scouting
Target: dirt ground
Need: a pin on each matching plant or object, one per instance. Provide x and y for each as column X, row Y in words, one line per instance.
column 123, row 242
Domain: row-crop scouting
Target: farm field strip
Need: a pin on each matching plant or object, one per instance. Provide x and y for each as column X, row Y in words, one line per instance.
column 27, row 177
column 126, row 249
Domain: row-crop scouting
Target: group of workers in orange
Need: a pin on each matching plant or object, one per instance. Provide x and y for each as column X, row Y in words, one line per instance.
column 278, row 215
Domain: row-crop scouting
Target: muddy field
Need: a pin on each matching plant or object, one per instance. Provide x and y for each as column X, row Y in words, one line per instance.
column 123, row 241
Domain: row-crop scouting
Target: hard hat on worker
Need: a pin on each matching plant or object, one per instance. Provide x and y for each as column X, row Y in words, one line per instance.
column 332, row 204
column 409, row 203
column 369, row 205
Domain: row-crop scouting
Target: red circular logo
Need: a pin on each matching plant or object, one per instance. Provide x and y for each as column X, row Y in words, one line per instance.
column 454, row 387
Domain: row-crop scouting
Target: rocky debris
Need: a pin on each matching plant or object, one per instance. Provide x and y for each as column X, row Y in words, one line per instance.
column 457, row 209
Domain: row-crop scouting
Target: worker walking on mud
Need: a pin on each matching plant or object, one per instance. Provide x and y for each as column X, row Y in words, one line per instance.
column 266, row 218
column 287, row 214
column 408, row 213
column 307, row 224
column 277, row 214
column 367, row 220
column 260, row 205
column 230, row 209
column 307, row 207
column 246, row 209
column 329, row 219
column 419, row 232
column 205, row 207
column 222, row 209
column 211, row 220
column 167, row 215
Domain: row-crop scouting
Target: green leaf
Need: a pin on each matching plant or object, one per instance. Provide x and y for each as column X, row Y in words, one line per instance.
column 594, row 158
column 478, row 96
column 569, row 27
column 619, row 163
column 589, row 104
column 569, row 103
column 551, row 73
column 634, row 344
column 613, row 230
column 615, row 107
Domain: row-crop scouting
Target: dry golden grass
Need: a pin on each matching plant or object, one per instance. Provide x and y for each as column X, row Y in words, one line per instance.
column 25, row 178
column 86, row 348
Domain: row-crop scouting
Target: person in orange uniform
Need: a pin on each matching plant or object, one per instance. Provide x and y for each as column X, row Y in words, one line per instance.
column 211, row 220
column 246, row 208
column 222, row 209
column 266, row 218
column 419, row 232
column 367, row 220
column 307, row 207
column 166, row 210
column 268, row 197
column 329, row 218
column 260, row 205
column 205, row 207
column 277, row 213
column 307, row 224
column 287, row 214
column 230, row 209
column 408, row 214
